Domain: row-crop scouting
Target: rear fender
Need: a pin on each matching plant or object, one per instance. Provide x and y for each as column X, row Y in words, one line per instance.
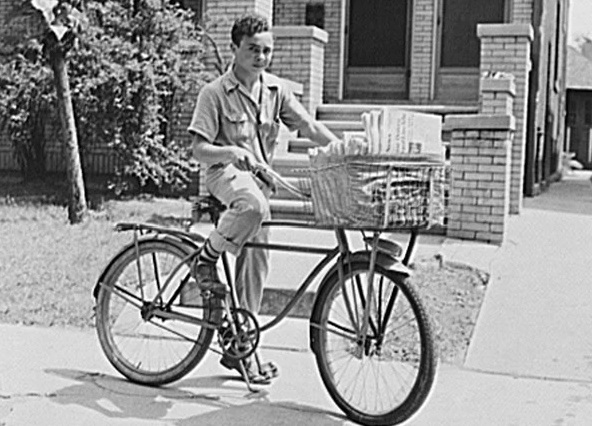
column 185, row 243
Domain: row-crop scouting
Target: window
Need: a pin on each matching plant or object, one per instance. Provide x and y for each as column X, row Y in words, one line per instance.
column 315, row 15
column 196, row 5
column 460, row 44
column 377, row 33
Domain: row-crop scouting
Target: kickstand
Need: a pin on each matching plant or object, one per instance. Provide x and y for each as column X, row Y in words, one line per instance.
column 246, row 377
column 256, row 356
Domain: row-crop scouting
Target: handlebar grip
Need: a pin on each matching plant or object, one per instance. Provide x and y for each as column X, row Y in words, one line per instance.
column 273, row 176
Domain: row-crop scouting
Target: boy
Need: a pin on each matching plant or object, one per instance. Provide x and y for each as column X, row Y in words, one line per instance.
column 235, row 125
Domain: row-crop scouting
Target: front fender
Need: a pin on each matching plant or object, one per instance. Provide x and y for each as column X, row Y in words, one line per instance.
column 173, row 239
column 383, row 259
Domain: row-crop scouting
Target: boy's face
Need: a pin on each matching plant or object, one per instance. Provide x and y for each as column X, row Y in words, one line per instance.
column 253, row 55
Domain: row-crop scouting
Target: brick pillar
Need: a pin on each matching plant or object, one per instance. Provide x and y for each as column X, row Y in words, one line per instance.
column 293, row 12
column 223, row 13
column 496, row 95
column 298, row 56
column 480, row 159
column 421, row 83
column 506, row 48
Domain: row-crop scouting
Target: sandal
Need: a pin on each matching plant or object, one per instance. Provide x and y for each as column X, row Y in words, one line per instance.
column 258, row 376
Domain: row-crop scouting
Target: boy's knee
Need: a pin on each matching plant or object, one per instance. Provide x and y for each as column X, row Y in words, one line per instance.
column 253, row 208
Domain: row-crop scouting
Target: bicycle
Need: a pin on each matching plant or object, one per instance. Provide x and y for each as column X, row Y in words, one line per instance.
column 369, row 331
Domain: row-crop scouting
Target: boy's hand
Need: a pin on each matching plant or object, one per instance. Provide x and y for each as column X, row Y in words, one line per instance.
column 242, row 159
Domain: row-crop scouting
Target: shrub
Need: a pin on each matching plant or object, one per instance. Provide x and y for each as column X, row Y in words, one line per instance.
column 27, row 102
column 129, row 74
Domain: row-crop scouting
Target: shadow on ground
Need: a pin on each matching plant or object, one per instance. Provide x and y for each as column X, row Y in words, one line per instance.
column 212, row 400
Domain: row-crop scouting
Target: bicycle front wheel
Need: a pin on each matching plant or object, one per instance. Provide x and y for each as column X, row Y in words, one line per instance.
column 384, row 378
column 152, row 350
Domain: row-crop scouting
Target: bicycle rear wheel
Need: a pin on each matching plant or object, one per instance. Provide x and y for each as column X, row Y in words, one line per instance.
column 386, row 379
column 151, row 350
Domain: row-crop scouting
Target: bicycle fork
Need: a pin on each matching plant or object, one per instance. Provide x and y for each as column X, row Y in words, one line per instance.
column 363, row 332
column 361, row 325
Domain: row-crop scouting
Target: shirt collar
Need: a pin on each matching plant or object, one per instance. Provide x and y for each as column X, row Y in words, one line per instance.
column 230, row 82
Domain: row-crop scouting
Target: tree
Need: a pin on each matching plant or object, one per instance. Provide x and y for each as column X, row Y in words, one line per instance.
column 133, row 76
column 62, row 23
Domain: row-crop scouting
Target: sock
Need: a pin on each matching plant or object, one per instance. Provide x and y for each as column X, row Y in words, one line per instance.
column 208, row 254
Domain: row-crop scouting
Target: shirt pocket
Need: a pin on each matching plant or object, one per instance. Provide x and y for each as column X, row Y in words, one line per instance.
column 238, row 127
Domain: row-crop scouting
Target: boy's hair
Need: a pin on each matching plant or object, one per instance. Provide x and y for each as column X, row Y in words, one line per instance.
column 248, row 26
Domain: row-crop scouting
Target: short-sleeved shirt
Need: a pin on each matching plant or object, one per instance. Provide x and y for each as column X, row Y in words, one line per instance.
column 227, row 115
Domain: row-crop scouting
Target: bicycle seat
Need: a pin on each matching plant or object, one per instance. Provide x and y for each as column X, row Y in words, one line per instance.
column 207, row 204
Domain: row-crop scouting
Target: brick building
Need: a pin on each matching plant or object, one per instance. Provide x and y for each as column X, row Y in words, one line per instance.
column 430, row 52
column 494, row 69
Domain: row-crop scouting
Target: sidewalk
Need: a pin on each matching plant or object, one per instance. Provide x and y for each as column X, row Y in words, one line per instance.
column 530, row 361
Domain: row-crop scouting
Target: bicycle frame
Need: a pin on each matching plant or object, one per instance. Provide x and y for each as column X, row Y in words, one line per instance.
column 341, row 254
column 367, row 319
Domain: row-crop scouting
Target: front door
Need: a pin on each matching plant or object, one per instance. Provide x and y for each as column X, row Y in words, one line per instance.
column 457, row 76
column 377, row 49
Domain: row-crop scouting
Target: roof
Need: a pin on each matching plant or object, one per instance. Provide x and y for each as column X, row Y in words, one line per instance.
column 579, row 70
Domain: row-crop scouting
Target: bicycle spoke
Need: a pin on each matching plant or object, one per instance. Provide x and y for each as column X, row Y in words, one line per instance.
column 389, row 309
column 147, row 341
column 378, row 378
column 363, row 303
column 156, row 274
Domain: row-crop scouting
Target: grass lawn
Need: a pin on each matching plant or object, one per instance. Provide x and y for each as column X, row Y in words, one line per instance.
column 49, row 267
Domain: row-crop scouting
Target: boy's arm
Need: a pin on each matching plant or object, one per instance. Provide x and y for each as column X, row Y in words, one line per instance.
column 207, row 153
column 317, row 132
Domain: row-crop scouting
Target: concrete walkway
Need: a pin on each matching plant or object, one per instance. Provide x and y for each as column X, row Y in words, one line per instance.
column 530, row 361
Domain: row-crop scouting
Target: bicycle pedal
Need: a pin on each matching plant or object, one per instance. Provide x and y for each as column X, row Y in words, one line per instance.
column 207, row 294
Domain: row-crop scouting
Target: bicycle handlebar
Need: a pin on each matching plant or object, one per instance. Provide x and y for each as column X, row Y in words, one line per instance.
column 271, row 175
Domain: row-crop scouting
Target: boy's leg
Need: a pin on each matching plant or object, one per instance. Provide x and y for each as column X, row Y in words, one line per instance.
column 247, row 204
column 252, row 267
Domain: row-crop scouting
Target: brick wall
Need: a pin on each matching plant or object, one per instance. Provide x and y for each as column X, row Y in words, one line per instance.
column 422, row 51
column 292, row 12
column 480, row 159
column 506, row 48
column 521, row 12
column 497, row 95
column 299, row 57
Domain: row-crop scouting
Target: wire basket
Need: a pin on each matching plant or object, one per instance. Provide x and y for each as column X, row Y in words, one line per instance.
column 377, row 192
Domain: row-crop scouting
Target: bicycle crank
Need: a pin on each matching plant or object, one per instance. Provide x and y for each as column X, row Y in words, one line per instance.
column 240, row 336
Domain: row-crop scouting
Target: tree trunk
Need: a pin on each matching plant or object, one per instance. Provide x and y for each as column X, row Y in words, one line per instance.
column 77, row 208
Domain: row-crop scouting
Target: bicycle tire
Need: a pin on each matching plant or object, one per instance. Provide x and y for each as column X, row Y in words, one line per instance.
column 356, row 381
column 141, row 350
